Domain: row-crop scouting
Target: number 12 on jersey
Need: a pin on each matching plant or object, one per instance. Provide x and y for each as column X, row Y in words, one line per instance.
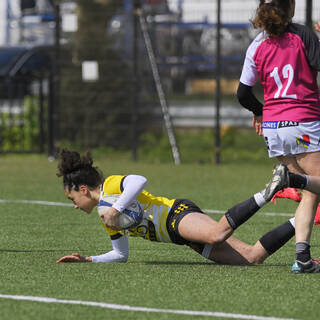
column 287, row 73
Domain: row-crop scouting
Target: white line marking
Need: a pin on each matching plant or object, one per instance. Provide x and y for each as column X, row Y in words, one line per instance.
column 63, row 204
column 46, row 203
column 141, row 309
column 263, row 213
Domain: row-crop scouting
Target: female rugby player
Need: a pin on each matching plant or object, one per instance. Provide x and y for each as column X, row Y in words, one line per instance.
column 286, row 58
column 178, row 221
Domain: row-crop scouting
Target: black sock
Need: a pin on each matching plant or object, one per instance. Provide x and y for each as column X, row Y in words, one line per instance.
column 241, row 212
column 297, row 180
column 277, row 237
column 303, row 251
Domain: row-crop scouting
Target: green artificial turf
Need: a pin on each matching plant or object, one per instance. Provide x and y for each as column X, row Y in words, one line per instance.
column 162, row 276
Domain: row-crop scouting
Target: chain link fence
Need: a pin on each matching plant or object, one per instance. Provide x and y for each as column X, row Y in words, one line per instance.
column 106, row 89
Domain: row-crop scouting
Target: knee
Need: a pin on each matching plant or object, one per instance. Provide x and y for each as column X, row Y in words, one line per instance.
column 220, row 232
column 309, row 196
column 217, row 238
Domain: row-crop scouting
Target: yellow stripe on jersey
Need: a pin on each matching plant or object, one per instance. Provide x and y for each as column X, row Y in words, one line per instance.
column 112, row 185
column 156, row 210
column 109, row 230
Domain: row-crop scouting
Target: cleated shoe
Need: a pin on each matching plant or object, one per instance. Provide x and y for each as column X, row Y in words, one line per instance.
column 317, row 216
column 312, row 266
column 288, row 193
column 295, row 195
column 279, row 181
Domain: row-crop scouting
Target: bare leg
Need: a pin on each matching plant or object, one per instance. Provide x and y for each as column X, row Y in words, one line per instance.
column 198, row 227
column 310, row 163
column 305, row 216
column 235, row 252
column 232, row 250
column 220, row 246
column 306, row 163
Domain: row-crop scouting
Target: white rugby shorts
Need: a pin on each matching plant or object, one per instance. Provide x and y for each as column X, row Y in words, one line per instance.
column 285, row 138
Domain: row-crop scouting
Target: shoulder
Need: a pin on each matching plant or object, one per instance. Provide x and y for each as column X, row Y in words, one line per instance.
column 310, row 42
column 305, row 33
column 256, row 42
column 296, row 28
column 113, row 184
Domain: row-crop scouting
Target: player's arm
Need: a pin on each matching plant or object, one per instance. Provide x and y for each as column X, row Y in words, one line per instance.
column 248, row 100
column 131, row 186
column 249, row 76
column 120, row 253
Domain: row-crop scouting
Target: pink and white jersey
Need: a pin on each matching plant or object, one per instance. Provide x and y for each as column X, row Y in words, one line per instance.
column 287, row 67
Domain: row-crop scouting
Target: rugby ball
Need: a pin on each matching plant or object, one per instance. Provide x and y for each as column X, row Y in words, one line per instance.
column 129, row 217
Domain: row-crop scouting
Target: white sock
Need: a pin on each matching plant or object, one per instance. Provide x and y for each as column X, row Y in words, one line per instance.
column 259, row 199
column 292, row 221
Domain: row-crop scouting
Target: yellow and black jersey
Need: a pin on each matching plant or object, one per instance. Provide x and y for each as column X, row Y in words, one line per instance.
column 156, row 209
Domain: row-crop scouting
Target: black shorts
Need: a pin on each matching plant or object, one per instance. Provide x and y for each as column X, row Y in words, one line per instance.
column 180, row 209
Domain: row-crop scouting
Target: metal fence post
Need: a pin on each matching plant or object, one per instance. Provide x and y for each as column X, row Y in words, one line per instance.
column 50, row 117
column 135, row 96
column 54, row 92
column 218, row 91
column 40, row 115
column 309, row 6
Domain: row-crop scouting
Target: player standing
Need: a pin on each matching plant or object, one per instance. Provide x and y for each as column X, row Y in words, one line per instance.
column 286, row 58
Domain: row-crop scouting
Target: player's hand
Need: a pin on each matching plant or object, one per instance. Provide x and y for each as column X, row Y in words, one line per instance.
column 317, row 26
column 257, row 124
column 111, row 218
column 75, row 257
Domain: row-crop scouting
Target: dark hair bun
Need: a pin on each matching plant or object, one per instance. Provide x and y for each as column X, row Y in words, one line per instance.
column 71, row 161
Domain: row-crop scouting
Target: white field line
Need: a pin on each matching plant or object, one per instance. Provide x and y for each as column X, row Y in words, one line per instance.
column 63, row 204
column 45, row 203
column 141, row 309
column 263, row 213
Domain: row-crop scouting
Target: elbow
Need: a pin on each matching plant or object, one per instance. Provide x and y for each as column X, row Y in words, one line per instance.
column 138, row 180
column 143, row 181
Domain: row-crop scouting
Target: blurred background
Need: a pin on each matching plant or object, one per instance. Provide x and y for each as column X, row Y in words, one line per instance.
column 150, row 79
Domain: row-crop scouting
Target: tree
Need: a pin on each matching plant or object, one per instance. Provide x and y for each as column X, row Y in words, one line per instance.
column 96, row 113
